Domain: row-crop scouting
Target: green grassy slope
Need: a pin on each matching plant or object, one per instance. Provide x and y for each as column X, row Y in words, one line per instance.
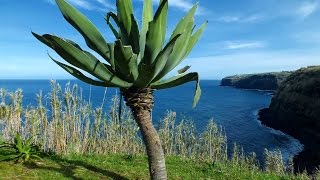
column 125, row 167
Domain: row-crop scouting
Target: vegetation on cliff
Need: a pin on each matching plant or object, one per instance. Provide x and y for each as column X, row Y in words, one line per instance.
column 295, row 109
column 262, row 81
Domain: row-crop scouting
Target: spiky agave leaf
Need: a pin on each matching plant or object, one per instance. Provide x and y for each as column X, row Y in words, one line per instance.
column 184, row 27
column 88, row 30
column 179, row 80
column 81, row 59
column 108, row 17
column 184, row 69
column 126, row 61
column 18, row 142
column 149, row 72
column 194, row 39
column 146, row 19
column 77, row 74
column 156, row 34
column 128, row 25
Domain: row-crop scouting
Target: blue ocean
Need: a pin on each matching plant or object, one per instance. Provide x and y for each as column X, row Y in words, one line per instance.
column 233, row 109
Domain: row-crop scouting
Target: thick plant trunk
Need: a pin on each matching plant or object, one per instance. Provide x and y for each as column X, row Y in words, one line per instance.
column 141, row 103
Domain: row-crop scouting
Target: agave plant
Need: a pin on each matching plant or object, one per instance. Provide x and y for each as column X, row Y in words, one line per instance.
column 20, row 150
column 137, row 62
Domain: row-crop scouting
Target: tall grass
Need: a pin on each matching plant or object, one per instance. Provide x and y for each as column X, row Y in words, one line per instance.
column 63, row 122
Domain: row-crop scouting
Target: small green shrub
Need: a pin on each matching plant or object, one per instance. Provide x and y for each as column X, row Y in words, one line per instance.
column 20, row 151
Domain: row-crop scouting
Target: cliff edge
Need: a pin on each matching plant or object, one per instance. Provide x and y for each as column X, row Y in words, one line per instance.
column 262, row 81
column 295, row 110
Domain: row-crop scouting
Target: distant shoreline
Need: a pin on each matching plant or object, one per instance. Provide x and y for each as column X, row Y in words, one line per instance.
column 261, row 81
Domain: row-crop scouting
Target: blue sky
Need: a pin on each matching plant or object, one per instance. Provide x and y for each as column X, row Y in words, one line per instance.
column 246, row 36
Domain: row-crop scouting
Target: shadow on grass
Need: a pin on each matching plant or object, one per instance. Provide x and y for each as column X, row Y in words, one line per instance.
column 67, row 169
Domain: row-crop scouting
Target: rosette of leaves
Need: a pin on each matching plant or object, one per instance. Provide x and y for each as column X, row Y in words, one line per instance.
column 137, row 62
column 20, row 150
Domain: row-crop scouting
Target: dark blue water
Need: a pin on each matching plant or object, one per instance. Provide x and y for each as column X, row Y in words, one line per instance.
column 234, row 109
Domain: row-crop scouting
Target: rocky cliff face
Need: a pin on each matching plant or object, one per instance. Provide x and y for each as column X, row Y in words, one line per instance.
column 295, row 110
column 263, row 81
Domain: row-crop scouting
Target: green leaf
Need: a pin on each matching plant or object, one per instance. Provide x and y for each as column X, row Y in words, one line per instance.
column 77, row 74
column 113, row 29
column 149, row 72
column 194, row 39
column 36, row 156
column 6, row 145
column 111, row 50
column 134, row 36
column 156, row 33
column 164, row 20
column 184, row 45
column 81, row 59
column 26, row 157
column 10, row 157
column 28, row 142
column 125, row 61
column 175, row 57
column 163, row 56
column 128, row 25
column 179, row 80
column 124, row 11
column 18, row 142
column 26, row 149
column 74, row 44
column 88, row 30
column 183, row 70
column 146, row 19
column 180, row 28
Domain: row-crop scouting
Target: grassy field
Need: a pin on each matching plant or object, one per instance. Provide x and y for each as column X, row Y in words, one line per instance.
column 126, row 167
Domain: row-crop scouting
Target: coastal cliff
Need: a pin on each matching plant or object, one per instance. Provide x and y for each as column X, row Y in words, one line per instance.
column 262, row 81
column 295, row 110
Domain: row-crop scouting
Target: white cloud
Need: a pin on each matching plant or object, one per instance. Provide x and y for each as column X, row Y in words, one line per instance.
column 298, row 10
column 81, row 3
column 101, row 5
column 242, row 19
column 229, row 19
column 106, row 4
column 295, row 9
column 184, row 5
column 244, row 45
column 307, row 8
column 90, row 4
